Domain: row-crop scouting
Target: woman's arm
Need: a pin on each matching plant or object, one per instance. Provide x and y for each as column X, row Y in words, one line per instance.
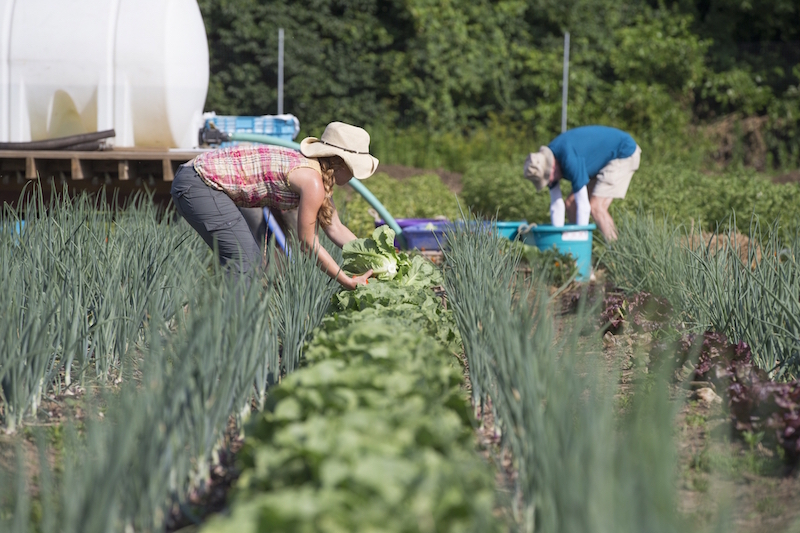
column 338, row 232
column 307, row 182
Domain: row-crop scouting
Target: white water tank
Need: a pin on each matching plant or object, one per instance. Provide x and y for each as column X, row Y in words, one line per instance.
column 79, row 66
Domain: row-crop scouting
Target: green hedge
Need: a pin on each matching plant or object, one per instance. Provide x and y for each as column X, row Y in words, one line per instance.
column 682, row 193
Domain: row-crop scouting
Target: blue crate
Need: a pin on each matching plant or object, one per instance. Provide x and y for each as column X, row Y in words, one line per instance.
column 284, row 127
column 427, row 236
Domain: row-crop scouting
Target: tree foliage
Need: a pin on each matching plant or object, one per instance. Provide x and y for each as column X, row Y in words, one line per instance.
column 648, row 66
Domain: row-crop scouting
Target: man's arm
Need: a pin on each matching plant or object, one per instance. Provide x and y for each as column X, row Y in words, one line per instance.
column 582, row 207
column 557, row 208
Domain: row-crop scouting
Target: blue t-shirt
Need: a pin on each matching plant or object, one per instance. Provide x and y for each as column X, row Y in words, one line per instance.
column 582, row 152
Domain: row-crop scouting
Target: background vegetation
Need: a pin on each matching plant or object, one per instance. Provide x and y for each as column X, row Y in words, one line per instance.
column 670, row 71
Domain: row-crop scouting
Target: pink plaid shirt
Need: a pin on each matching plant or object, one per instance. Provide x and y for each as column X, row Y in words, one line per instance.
column 254, row 175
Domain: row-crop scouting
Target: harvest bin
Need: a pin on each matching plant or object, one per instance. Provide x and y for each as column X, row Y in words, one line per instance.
column 569, row 239
column 430, row 236
column 405, row 223
column 421, row 233
column 510, row 229
column 426, row 237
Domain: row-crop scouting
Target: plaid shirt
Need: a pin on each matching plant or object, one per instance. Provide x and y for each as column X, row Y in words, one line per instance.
column 254, row 175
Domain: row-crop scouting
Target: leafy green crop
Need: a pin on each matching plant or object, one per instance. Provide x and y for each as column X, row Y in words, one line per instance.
column 378, row 253
column 374, row 433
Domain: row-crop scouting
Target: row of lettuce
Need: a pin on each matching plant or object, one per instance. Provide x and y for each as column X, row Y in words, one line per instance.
column 374, row 433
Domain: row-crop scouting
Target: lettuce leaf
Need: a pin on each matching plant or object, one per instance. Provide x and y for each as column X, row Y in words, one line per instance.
column 421, row 273
column 376, row 253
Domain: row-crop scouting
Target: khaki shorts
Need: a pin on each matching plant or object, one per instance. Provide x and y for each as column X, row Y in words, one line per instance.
column 613, row 179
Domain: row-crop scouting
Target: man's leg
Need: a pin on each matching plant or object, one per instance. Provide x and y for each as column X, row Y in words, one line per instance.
column 602, row 217
column 611, row 182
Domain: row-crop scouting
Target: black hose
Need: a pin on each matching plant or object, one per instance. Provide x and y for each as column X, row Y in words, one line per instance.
column 59, row 143
column 84, row 147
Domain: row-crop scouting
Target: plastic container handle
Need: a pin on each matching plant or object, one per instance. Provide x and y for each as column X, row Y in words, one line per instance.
column 525, row 228
column 272, row 224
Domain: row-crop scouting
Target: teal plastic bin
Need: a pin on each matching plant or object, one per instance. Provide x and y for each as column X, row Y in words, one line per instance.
column 568, row 239
column 509, row 229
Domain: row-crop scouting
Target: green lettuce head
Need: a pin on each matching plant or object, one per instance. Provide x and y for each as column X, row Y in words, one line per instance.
column 376, row 253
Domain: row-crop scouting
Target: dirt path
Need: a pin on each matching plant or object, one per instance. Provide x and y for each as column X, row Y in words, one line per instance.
column 451, row 179
column 720, row 476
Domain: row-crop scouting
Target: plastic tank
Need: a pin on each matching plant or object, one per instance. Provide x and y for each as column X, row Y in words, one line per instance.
column 79, row 66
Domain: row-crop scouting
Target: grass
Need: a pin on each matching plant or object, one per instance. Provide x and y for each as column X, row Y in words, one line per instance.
column 107, row 306
column 555, row 407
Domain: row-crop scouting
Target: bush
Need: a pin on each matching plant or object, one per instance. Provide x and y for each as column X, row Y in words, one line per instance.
column 672, row 189
column 423, row 196
column 500, row 190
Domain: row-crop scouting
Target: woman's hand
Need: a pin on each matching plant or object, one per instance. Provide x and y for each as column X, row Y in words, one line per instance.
column 355, row 281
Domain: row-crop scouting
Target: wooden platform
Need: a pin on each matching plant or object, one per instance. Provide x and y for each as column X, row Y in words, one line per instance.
column 126, row 170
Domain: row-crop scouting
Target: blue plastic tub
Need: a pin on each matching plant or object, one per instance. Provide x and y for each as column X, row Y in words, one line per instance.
column 428, row 236
column 509, row 229
column 431, row 235
column 569, row 239
column 408, row 222
column 18, row 227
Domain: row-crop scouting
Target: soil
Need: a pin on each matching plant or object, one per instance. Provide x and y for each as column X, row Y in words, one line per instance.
column 213, row 499
column 789, row 177
column 733, row 135
column 451, row 179
column 720, row 476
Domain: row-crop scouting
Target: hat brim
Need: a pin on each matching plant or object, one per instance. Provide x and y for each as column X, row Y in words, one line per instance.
column 362, row 166
column 538, row 167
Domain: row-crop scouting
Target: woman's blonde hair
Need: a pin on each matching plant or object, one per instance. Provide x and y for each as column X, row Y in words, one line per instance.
column 327, row 166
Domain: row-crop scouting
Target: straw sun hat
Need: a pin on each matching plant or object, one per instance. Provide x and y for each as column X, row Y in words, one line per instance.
column 539, row 167
column 351, row 143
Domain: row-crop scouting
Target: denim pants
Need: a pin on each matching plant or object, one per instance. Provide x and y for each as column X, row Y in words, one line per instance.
column 217, row 219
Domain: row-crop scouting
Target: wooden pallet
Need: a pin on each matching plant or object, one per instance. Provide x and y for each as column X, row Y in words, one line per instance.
column 122, row 164
column 125, row 170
